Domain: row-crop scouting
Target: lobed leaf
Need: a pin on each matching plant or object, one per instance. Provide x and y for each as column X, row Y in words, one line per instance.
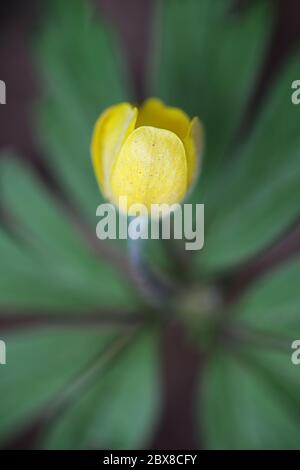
column 120, row 410
column 39, row 364
column 52, row 267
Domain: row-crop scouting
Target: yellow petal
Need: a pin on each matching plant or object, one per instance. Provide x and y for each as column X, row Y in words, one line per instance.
column 150, row 169
column 155, row 113
column 111, row 130
column 193, row 143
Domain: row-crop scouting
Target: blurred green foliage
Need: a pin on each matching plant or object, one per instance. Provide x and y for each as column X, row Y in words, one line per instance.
column 208, row 64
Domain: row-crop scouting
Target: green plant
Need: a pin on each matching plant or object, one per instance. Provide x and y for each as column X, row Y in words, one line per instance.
column 90, row 370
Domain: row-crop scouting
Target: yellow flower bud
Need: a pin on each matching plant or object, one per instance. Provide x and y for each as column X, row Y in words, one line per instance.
column 150, row 155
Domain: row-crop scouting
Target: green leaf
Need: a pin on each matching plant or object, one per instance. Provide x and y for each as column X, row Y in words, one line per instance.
column 38, row 366
column 272, row 305
column 252, row 400
column 120, row 410
column 259, row 198
column 244, row 409
column 51, row 267
column 28, row 285
column 208, row 65
column 23, row 283
column 83, row 75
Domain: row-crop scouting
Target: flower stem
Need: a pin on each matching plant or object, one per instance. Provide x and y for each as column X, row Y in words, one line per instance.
column 154, row 286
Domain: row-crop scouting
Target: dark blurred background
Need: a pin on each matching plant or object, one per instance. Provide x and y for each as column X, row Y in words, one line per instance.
column 132, row 19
